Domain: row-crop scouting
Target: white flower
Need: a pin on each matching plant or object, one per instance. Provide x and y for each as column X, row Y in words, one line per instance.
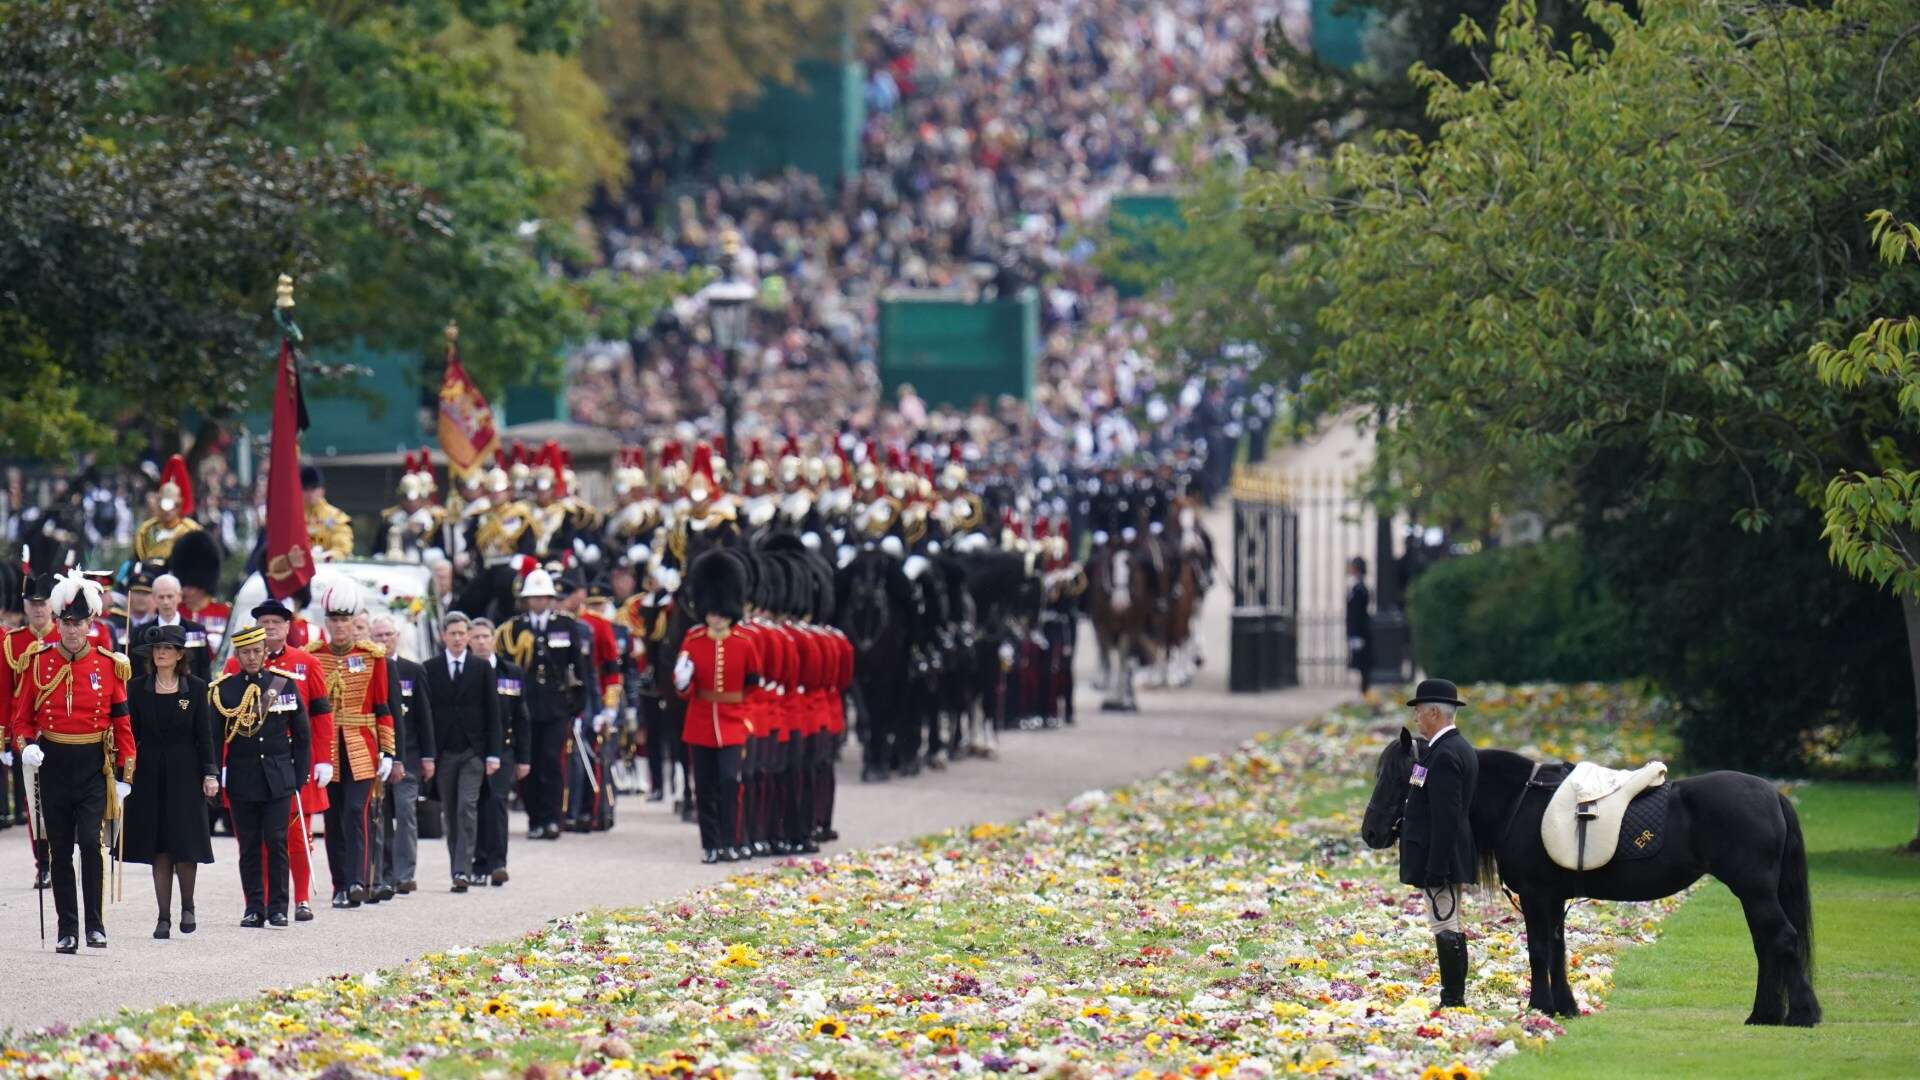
column 809, row 1002
column 750, row 1006
column 1088, row 800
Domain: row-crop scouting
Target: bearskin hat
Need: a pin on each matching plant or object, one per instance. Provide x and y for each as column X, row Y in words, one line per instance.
column 717, row 585
column 770, row 585
column 195, row 560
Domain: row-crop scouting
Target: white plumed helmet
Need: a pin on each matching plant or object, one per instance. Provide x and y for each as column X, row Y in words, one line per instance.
column 538, row 583
column 341, row 598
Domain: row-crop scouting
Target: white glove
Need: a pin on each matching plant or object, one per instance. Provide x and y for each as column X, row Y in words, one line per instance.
column 682, row 674
column 603, row 720
column 32, row 756
column 125, row 789
column 386, row 766
column 323, row 773
column 6, row 757
column 223, row 776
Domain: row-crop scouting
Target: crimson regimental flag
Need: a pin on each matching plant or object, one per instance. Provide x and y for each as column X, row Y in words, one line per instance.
column 467, row 436
column 289, row 563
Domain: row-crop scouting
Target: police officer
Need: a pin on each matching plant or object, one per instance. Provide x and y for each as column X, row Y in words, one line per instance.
column 556, row 653
column 268, row 754
column 1436, row 841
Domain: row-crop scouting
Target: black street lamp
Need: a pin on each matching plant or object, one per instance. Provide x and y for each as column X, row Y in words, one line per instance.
column 727, row 311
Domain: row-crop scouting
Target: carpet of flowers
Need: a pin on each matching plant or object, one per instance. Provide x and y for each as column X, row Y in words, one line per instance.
column 1219, row 920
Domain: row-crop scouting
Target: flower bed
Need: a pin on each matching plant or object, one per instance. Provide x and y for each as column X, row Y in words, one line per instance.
column 1217, row 920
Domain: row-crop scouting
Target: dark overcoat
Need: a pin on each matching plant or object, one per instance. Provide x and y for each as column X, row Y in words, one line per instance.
column 1436, row 839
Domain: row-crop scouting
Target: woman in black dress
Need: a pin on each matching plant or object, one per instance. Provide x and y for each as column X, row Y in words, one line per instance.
column 166, row 813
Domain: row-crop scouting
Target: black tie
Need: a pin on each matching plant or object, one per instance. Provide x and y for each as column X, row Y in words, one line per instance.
column 456, row 671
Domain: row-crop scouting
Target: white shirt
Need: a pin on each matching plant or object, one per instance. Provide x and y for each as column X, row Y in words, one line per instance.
column 453, row 663
column 1438, row 734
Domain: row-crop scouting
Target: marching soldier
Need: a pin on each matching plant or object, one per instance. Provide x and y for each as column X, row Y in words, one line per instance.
column 356, row 679
column 716, row 667
column 557, row 655
column 70, row 723
column 155, row 537
column 267, row 751
column 16, row 647
column 195, row 563
column 588, row 805
column 329, row 529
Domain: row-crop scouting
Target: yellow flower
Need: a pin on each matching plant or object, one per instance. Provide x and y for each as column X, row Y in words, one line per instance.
column 930, row 1018
column 1197, row 763
column 1433, row 1072
column 740, row 956
column 989, row 830
column 498, row 1006
column 1095, row 1012
column 829, row 1027
column 1458, row 1071
column 186, row 1021
column 945, row 1036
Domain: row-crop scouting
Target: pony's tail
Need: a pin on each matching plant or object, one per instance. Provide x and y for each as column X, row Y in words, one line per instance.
column 1487, row 869
column 1795, row 892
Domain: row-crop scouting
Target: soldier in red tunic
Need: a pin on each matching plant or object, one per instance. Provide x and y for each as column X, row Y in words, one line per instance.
column 70, row 723
column 15, row 644
column 356, row 679
column 716, row 667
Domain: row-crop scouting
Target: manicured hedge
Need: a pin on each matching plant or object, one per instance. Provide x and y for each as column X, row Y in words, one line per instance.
column 1518, row 614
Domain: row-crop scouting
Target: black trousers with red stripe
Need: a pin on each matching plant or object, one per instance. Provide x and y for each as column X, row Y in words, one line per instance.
column 349, row 820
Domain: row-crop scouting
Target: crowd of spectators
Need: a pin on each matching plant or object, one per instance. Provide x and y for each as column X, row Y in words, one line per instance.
column 997, row 134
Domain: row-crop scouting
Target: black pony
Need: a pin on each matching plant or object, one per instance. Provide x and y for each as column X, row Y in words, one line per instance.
column 873, row 605
column 1732, row 825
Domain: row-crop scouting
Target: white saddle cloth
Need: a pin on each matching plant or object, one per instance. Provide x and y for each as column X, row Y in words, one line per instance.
column 1602, row 793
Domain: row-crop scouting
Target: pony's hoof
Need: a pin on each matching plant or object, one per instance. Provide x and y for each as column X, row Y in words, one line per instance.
column 1803, row 1019
column 1757, row 1020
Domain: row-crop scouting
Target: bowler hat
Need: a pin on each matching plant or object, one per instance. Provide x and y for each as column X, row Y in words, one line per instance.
column 155, row 636
column 1436, row 692
column 272, row 607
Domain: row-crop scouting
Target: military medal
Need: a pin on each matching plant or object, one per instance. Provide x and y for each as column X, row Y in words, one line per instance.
column 1419, row 777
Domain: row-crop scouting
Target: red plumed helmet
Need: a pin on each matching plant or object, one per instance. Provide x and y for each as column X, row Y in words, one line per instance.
column 176, row 486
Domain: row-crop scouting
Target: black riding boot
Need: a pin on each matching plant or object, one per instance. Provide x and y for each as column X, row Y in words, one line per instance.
column 1452, row 947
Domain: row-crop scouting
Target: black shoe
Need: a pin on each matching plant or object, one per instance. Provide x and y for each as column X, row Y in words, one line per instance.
column 96, row 939
column 459, row 883
column 762, row 849
column 406, row 886
column 806, row 847
column 278, row 918
column 936, row 763
column 302, row 913
column 498, row 877
column 340, row 899
column 536, row 833
column 163, row 929
column 383, row 892
column 356, row 894
column 711, row 855
column 68, row 944
column 43, row 880
column 253, row 920
column 187, row 923
column 373, row 895
column 656, row 796
column 553, row 832
column 826, row 835
column 743, row 853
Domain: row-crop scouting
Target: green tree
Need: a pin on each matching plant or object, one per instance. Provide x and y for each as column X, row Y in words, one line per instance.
column 166, row 161
column 1873, row 518
column 1607, row 267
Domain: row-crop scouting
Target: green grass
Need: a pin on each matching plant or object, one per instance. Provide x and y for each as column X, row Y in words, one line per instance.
column 1678, row 1005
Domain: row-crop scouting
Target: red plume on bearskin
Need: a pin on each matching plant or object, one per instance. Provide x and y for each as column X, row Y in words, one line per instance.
column 175, row 475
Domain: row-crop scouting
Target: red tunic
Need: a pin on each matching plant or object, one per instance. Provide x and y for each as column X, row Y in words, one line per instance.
column 356, row 682
column 814, row 669
column 14, row 645
column 311, row 685
column 717, row 710
column 842, row 678
column 73, row 699
column 606, row 657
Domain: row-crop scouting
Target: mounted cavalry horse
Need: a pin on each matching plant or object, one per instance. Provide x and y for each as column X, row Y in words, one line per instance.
column 1183, row 556
column 1731, row 825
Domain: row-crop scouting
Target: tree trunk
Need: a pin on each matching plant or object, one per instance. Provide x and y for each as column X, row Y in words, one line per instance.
column 1910, row 605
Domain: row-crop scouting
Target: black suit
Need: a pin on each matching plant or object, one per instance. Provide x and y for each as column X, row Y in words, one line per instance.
column 490, row 848
column 397, row 839
column 466, row 717
column 1436, row 841
column 263, row 773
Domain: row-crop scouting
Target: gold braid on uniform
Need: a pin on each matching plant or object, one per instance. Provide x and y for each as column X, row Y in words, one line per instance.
column 520, row 648
column 244, row 720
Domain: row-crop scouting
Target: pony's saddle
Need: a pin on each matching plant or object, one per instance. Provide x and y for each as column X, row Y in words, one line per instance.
column 1596, row 812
